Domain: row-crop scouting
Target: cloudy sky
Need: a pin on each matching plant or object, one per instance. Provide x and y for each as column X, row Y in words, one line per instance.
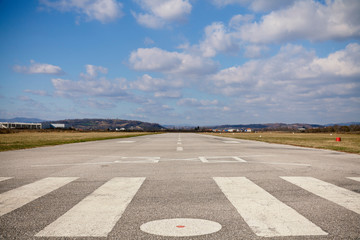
column 197, row 62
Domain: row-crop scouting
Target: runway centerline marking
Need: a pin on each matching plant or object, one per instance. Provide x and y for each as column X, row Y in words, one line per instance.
column 179, row 149
column 97, row 214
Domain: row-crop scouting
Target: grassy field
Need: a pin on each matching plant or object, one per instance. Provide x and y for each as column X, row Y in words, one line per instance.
column 349, row 142
column 30, row 139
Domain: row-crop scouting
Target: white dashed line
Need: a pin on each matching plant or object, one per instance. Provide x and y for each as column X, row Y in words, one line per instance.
column 179, row 149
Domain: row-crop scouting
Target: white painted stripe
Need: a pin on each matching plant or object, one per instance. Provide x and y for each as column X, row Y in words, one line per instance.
column 355, row 178
column 179, row 149
column 126, row 141
column 239, row 159
column 97, row 214
column 203, row 159
column 4, row 178
column 18, row 197
column 230, row 142
column 346, row 198
column 265, row 215
column 179, row 143
column 280, row 163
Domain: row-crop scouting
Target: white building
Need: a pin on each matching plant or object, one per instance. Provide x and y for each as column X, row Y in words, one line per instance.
column 16, row 125
column 57, row 125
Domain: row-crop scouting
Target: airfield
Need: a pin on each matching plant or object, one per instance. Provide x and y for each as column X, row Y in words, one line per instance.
column 179, row 186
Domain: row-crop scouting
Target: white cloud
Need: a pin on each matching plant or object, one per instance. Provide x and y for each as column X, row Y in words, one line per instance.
column 238, row 20
column 160, row 87
column 295, row 81
column 92, row 71
column 218, row 39
column 158, row 60
column 101, row 10
column 39, row 68
column 90, row 85
column 306, row 19
column 168, row 94
column 256, row 5
column 160, row 12
column 255, row 51
column 102, row 88
column 37, row 92
column 341, row 63
column 149, row 20
column 94, row 103
column 193, row 102
column 148, row 41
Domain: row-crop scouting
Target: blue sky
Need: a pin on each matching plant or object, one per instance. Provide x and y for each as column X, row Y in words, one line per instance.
column 197, row 62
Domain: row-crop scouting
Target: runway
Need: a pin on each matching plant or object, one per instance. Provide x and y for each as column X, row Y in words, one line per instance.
column 179, row 186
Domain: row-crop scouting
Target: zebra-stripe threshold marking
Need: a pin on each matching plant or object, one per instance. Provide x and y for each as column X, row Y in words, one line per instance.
column 97, row 214
column 265, row 215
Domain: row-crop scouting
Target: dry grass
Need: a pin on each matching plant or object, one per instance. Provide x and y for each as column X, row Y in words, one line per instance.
column 30, row 139
column 349, row 142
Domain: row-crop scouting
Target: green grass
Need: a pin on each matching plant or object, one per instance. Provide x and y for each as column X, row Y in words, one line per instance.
column 31, row 139
column 349, row 142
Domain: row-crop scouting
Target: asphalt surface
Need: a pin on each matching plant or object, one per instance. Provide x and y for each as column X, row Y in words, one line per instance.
column 245, row 186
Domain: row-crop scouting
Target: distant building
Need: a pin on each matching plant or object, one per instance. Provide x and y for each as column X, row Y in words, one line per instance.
column 248, row 130
column 57, row 125
column 16, row 125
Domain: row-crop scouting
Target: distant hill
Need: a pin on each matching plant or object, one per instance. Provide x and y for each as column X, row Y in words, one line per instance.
column 104, row 124
column 22, row 120
column 343, row 124
column 268, row 126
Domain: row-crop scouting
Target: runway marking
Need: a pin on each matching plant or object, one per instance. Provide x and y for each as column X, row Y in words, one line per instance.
column 265, row 215
column 18, row 197
column 180, row 227
column 97, row 214
column 179, row 143
column 203, row 159
column 355, row 178
column 280, row 163
column 179, row 149
column 230, row 142
column 125, row 141
column 239, row 159
column 217, row 159
column 180, row 159
column 120, row 160
column 341, row 196
column 4, row 178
